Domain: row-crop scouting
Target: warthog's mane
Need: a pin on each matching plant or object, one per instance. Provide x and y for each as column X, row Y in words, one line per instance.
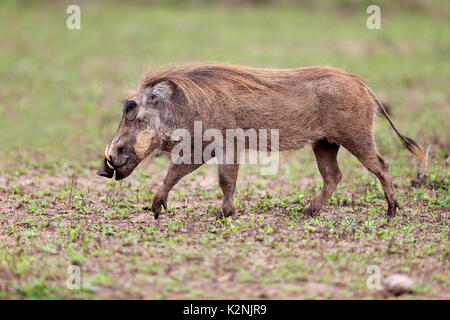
column 212, row 83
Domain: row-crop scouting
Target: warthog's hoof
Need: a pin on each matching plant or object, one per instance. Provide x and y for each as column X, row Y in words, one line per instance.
column 310, row 212
column 157, row 205
column 226, row 212
column 393, row 209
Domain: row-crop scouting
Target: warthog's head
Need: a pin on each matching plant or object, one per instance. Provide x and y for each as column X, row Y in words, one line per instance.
column 141, row 131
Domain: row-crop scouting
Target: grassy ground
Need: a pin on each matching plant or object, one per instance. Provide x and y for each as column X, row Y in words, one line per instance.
column 59, row 105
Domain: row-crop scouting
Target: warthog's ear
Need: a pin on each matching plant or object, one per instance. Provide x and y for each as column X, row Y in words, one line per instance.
column 162, row 91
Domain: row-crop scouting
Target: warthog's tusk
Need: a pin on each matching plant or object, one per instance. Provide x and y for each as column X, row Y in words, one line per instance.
column 106, row 153
column 108, row 158
column 109, row 165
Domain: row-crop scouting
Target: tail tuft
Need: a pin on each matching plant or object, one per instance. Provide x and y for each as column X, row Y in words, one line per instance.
column 413, row 147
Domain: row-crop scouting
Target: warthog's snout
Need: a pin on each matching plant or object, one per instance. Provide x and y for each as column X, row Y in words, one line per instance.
column 104, row 170
column 120, row 162
column 107, row 170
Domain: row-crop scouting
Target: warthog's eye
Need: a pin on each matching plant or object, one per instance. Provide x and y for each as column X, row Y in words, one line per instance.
column 130, row 110
column 129, row 105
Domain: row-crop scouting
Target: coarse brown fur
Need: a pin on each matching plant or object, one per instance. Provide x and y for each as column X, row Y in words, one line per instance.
column 322, row 106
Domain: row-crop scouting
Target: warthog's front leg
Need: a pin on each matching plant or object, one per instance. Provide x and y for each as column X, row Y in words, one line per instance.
column 227, row 180
column 175, row 173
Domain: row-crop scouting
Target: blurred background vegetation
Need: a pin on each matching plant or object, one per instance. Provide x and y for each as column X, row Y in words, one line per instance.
column 60, row 89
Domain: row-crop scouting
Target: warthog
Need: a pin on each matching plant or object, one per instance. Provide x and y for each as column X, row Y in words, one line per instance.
column 322, row 106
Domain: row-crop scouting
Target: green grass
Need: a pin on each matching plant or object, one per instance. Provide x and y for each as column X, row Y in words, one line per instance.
column 60, row 99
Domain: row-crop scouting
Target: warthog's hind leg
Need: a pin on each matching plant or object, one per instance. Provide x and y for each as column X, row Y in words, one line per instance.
column 367, row 154
column 326, row 158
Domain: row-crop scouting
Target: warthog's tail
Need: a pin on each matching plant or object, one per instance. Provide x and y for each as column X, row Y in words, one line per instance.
column 408, row 143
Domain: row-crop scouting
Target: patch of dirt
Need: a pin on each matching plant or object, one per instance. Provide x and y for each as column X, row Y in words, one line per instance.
column 268, row 251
